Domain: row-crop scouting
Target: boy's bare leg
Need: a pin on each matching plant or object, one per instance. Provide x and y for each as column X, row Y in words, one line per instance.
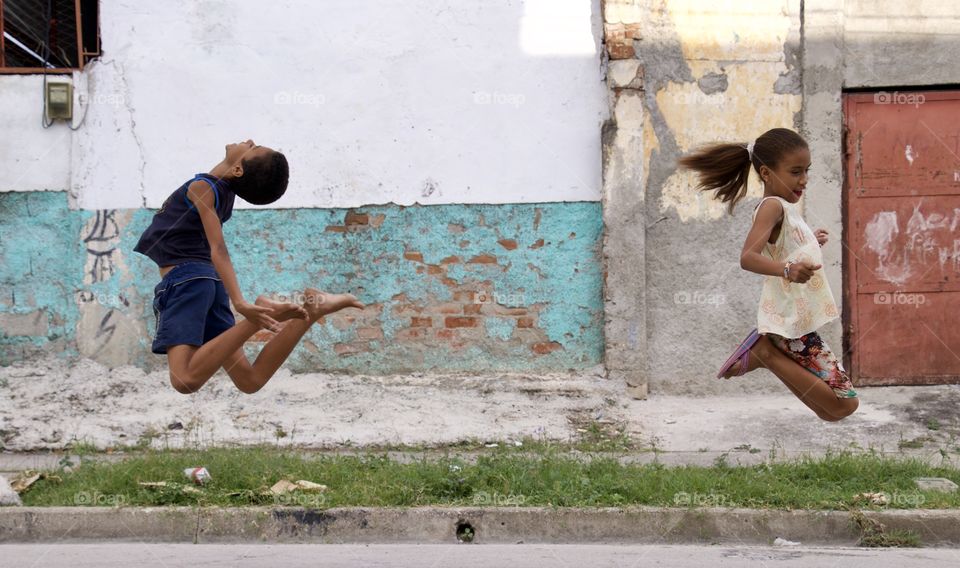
column 251, row 378
column 810, row 389
column 191, row 366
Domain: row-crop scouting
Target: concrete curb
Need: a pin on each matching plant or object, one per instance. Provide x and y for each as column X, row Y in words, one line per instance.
column 503, row 525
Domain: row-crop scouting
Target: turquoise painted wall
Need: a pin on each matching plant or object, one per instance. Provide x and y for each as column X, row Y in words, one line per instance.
column 450, row 287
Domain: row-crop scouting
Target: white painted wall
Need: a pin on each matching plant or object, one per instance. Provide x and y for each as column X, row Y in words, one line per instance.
column 31, row 157
column 372, row 101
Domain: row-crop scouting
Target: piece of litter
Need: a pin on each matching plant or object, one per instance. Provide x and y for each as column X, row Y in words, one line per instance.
column 25, row 479
column 872, row 498
column 784, row 542
column 286, row 486
column 198, row 475
column 491, row 445
column 517, row 443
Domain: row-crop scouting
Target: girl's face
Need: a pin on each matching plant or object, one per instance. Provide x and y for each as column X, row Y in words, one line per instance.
column 789, row 178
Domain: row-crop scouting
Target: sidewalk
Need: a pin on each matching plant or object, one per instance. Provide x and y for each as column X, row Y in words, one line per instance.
column 48, row 405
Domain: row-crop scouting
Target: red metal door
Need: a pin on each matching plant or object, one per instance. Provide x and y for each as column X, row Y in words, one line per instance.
column 902, row 237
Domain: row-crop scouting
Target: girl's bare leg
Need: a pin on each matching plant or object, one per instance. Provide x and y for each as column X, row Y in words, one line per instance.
column 810, row 389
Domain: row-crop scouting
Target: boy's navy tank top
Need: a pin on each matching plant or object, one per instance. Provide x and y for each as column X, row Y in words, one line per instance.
column 176, row 233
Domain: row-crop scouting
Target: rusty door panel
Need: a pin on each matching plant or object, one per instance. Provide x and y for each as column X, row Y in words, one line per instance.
column 902, row 237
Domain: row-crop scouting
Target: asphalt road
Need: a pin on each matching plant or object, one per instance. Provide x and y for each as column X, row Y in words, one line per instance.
column 138, row 555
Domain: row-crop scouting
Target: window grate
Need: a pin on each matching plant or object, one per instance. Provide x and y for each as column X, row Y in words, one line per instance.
column 47, row 34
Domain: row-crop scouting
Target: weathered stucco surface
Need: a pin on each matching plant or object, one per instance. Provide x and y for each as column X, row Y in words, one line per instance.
column 712, row 72
column 451, row 287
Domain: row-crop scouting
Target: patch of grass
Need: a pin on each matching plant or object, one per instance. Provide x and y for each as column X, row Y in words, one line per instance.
column 875, row 534
column 500, row 476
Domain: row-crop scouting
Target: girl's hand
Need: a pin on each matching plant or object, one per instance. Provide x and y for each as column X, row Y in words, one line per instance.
column 821, row 235
column 800, row 272
column 258, row 315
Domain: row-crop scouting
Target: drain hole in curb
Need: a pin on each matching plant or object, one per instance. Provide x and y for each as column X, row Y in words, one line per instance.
column 465, row 532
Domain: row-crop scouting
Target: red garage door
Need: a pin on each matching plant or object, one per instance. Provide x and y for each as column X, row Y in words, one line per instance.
column 902, row 237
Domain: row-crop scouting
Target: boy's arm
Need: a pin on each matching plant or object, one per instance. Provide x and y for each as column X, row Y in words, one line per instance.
column 770, row 213
column 201, row 194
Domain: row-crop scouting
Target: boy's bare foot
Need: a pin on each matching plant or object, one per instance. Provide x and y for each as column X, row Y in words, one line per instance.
column 319, row 304
column 282, row 311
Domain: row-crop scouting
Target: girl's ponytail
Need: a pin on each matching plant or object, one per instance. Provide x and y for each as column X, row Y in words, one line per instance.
column 723, row 169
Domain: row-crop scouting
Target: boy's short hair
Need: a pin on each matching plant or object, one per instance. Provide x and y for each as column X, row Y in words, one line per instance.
column 264, row 179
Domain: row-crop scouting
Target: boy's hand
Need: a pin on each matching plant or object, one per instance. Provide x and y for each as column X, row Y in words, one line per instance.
column 258, row 315
column 821, row 235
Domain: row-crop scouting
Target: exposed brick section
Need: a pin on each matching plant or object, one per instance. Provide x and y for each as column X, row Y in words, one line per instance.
column 451, row 260
column 453, row 322
column 465, row 296
column 335, row 229
column 505, row 311
column 537, row 244
column 446, row 334
column 434, row 269
column 356, row 219
column 370, row 333
column 351, row 348
column 546, row 347
column 525, row 322
column 619, row 40
column 483, row 259
column 412, row 334
column 421, row 322
column 508, row 244
column 472, row 309
column 449, row 308
column 456, row 228
column 415, row 256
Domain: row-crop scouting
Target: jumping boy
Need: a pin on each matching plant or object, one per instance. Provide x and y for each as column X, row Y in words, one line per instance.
column 195, row 327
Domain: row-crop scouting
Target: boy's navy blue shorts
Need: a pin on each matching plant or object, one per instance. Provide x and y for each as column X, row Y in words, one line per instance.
column 191, row 305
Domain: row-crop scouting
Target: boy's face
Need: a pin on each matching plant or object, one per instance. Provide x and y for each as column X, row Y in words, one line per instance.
column 244, row 151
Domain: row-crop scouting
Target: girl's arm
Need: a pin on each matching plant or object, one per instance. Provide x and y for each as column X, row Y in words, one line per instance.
column 201, row 194
column 769, row 215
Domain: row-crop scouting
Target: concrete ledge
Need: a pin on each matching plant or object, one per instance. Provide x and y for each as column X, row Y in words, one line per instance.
column 643, row 525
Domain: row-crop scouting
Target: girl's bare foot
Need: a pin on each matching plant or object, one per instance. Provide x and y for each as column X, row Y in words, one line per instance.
column 319, row 304
column 282, row 311
column 757, row 354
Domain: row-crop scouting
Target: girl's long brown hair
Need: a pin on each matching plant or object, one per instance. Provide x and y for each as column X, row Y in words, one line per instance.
column 724, row 168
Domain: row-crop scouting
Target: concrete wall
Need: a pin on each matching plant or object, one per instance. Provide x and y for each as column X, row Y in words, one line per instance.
column 727, row 71
column 708, row 71
column 31, row 157
column 373, row 101
column 484, row 116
